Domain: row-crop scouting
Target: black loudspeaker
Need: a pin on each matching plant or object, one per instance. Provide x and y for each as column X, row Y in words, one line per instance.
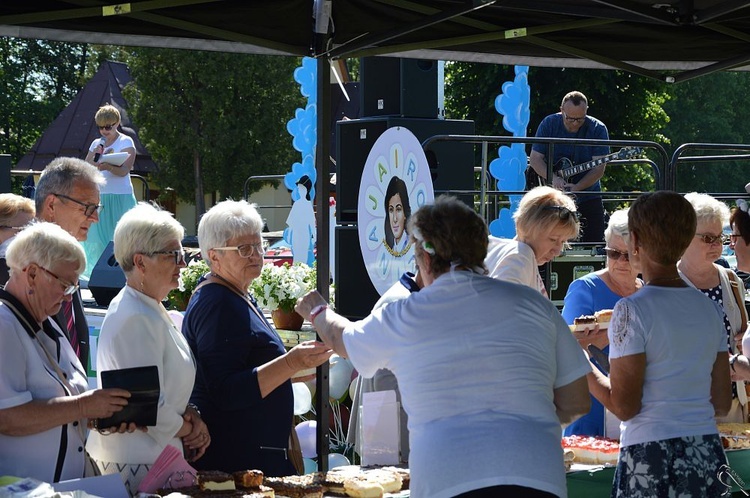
column 398, row 87
column 107, row 277
column 452, row 168
column 355, row 294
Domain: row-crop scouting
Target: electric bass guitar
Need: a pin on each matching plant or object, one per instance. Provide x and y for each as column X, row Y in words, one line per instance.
column 566, row 169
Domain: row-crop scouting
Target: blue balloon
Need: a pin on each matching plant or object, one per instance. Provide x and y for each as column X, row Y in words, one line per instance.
column 310, row 465
column 337, row 460
column 307, row 75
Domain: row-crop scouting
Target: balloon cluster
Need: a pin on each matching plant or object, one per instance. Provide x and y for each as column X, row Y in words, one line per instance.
column 303, row 128
column 510, row 165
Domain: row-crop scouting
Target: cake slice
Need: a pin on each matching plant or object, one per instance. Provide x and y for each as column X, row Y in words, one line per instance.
column 212, row 480
column 247, row 478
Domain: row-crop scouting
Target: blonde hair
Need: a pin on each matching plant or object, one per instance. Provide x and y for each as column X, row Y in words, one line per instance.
column 540, row 211
column 12, row 204
column 107, row 114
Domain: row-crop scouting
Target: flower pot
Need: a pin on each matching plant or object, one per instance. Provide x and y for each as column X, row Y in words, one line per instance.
column 287, row 320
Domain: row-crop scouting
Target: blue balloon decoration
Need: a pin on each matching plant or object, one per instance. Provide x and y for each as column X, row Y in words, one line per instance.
column 310, row 465
column 305, row 168
column 307, row 75
column 510, row 165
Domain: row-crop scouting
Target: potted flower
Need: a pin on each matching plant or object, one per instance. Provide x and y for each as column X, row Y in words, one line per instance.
column 189, row 277
column 278, row 288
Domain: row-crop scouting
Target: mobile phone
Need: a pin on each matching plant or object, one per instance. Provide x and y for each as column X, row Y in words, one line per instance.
column 599, row 357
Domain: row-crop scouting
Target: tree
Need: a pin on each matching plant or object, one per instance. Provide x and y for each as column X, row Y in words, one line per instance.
column 39, row 78
column 210, row 120
column 710, row 109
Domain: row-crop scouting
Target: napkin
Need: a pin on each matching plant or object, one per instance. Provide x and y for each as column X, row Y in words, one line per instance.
column 170, row 471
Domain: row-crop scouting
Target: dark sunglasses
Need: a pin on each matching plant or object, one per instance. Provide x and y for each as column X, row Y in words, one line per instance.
column 106, row 127
column 178, row 254
column 563, row 212
column 88, row 209
column 707, row 238
column 616, row 255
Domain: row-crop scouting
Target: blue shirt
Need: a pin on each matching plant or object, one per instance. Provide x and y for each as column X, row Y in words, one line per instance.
column 553, row 127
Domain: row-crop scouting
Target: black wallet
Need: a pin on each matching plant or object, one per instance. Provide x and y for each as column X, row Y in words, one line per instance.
column 143, row 404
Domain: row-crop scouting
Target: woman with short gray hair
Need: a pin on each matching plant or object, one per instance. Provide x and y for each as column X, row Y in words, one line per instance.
column 598, row 291
column 44, row 402
column 137, row 332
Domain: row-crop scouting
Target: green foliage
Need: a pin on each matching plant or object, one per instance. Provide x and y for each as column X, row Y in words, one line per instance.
column 38, row 79
column 189, row 278
column 225, row 113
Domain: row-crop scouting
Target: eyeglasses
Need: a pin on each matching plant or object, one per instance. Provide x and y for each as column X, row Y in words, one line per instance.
column 68, row 289
column 573, row 120
column 563, row 212
column 88, row 209
column 616, row 255
column 246, row 250
column 733, row 237
column 707, row 238
column 178, row 254
column 8, row 227
column 106, row 127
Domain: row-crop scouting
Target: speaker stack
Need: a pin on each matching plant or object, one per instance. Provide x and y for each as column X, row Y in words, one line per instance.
column 393, row 92
column 107, row 278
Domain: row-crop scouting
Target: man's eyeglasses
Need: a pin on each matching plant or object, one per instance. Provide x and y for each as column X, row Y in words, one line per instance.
column 68, row 289
column 178, row 254
column 616, row 255
column 8, row 227
column 88, row 209
column 563, row 212
column 106, row 127
column 246, row 250
column 707, row 238
column 573, row 120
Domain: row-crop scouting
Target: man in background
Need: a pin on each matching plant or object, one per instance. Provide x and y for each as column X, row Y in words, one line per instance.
column 68, row 195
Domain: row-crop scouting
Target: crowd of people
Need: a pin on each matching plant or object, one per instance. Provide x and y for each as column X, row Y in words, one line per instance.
column 487, row 370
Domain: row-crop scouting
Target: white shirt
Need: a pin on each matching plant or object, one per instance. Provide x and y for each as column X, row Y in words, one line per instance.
column 115, row 184
column 27, row 375
column 513, row 261
column 681, row 331
column 477, row 361
column 137, row 332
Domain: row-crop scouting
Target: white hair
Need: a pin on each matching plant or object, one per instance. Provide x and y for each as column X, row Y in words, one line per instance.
column 45, row 244
column 708, row 209
column 225, row 221
column 144, row 229
column 617, row 225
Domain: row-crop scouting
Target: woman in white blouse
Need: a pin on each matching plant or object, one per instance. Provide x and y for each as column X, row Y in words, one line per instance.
column 138, row 332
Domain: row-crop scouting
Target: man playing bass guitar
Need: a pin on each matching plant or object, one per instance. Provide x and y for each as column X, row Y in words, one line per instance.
column 573, row 122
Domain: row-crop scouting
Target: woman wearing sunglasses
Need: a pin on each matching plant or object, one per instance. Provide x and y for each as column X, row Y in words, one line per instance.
column 117, row 193
column 546, row 219
column 721, row 284
column 598, row 291
column 44, row 399
column 138, row 332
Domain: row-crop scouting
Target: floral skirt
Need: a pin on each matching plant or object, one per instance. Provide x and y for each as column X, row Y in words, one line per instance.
column 672, row 468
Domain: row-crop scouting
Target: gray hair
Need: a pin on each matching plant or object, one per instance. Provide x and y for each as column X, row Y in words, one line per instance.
column 618, row 225
column 45, row 244
column 144, row 229
column 225, row 221
column 708, row 209
column 61, row 176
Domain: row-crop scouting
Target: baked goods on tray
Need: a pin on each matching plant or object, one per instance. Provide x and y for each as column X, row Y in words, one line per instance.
column 583, row 322
column 592, row 449
column 734, row 436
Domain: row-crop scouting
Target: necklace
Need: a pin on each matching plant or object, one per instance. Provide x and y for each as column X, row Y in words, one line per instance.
column 229, row 284
column 663, row 280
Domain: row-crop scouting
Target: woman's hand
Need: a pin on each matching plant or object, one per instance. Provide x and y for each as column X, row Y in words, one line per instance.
column 306, row 303
column 308, row 354
column 102, row 403
column 198, row 439
column 594, row 335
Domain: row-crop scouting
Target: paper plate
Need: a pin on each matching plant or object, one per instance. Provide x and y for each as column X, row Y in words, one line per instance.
column 583, row 326
column 116, row 158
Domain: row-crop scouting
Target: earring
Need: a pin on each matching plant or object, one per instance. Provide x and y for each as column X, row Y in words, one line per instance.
column 31, row 291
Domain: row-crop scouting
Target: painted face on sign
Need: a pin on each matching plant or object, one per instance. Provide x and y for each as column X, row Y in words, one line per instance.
column 396, row 215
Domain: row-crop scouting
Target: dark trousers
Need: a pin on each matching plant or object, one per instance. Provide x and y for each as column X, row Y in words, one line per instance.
column 506, row 492
column 592, row 220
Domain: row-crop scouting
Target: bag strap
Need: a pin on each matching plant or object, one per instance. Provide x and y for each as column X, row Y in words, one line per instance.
column 735, row 284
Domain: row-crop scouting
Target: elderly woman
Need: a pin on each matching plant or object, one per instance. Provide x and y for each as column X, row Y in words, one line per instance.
column 739, row 240
column 546, row 219
column 15, row 213
column 600, row 291
column 138, row 332
column 117, row 192
column 722, row 285
column 669, row 372
column 44, row 404
column 500, row 428
column 243, row 387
